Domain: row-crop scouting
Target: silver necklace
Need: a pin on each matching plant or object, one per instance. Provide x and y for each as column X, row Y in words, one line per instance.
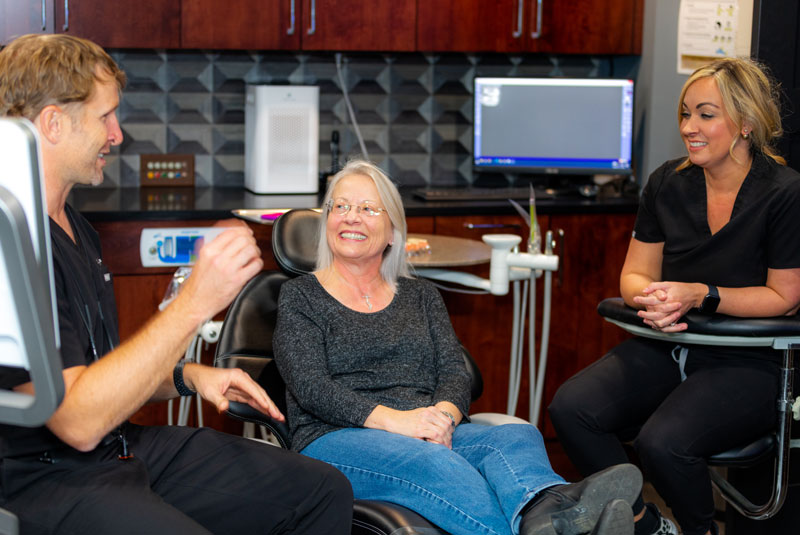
column 365, row 297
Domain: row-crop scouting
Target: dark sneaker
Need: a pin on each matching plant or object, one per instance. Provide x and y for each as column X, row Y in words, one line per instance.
column 573, row 509
column 665, row 526
column 616, row 519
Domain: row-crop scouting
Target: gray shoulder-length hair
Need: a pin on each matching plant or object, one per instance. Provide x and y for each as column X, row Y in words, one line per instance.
column 394, row 263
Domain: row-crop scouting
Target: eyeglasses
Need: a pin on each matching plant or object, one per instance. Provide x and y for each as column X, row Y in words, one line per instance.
column 341, row 207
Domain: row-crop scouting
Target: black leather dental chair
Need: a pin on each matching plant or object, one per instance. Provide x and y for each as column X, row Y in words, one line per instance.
column 246, row 342
column 781, row 333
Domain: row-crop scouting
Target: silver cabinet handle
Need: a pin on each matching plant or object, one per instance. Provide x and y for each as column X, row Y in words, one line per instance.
column 66, row 16
column 290, row 31
column 44, row 15
column 313, row 28
column 491, row 225
column 518, row 33
column 538, row 33
column 562, row 252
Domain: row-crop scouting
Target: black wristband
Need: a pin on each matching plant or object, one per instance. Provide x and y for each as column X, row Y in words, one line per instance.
column 177, row 378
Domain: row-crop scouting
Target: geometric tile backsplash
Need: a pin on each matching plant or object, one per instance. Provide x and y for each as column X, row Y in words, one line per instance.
column 414, row 110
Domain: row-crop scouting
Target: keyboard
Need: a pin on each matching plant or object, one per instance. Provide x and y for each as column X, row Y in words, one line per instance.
column 479, row 194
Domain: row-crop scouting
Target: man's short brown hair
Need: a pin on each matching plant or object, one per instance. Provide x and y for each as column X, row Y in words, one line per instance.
column 39, row 70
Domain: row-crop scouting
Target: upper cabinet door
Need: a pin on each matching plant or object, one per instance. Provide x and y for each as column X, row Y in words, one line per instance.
column 20, row 17
column 241, row 24
column 585, row 26
column 118, row 24
column 379, row 25
column 471, row 25
column 553, row 26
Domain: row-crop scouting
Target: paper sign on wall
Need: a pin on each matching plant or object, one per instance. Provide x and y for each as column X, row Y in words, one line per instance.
column 709, row 29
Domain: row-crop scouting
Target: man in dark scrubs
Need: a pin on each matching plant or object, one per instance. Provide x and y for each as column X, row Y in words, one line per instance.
column 87, row 470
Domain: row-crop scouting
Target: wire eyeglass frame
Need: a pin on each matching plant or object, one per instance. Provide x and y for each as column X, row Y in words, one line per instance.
column 342, row 207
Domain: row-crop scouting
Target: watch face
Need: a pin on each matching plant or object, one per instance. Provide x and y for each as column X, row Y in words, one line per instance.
column 710, row 304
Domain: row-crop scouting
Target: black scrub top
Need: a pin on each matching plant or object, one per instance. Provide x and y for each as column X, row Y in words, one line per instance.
column 763, row 232
column 85, row 303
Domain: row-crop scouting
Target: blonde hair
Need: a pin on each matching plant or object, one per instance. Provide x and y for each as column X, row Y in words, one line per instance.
column 748, row 96
column 394, row 263
column 40, row 70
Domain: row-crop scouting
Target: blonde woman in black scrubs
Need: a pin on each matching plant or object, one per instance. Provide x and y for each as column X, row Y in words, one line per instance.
column 716, row 231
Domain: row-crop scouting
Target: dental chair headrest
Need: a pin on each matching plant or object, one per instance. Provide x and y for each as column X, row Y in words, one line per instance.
column 294, row 241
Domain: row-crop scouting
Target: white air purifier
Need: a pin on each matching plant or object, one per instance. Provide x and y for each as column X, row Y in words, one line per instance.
column 281, row 148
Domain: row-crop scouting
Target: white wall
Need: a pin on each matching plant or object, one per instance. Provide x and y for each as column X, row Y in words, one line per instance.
column 658, row 88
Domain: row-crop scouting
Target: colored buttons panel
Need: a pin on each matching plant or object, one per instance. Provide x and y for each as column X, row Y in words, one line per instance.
column 166, row 169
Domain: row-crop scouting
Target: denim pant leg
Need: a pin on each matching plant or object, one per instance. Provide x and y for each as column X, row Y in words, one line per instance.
column 425, row 477
column 512, row 459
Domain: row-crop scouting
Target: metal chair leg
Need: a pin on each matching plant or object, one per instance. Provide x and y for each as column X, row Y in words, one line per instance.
column 783, row 447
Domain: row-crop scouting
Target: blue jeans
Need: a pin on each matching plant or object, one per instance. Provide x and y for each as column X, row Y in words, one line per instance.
column 480, row 486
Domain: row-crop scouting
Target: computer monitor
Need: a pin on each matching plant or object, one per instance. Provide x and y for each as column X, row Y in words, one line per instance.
column 570, row 126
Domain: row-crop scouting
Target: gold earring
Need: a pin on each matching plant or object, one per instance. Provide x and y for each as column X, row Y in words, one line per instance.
column 745, row 135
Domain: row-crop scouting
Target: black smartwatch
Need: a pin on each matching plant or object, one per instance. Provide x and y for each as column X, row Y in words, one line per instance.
column 710, row 301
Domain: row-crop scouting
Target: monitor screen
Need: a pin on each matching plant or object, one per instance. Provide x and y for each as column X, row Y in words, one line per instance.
column 578, row 126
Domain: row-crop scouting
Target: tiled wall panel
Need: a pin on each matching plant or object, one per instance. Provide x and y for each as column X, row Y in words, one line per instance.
column 414, row 110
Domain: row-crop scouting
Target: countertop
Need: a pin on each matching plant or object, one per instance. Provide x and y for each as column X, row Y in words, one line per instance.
column 179, row 204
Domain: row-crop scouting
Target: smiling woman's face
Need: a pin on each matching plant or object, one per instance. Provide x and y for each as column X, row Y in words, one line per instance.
column 706, row 127
column 356, row 236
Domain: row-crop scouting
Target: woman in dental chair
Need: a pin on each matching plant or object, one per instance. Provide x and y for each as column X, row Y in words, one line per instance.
column 377, row 387
column 718, row 231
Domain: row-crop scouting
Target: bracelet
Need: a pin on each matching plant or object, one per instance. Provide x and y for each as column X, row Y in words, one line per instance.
column 177, row 378
column 452, row 420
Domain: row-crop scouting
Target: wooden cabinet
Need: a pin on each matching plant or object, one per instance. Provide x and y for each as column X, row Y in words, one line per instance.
column 379, row 25
column 471, row 25
column 560, row 26
column 508, row 26
column 592, row 254
column 20, row 17
column 139, row 24
column 241, row 24
column 587, row 27
column 299, row 24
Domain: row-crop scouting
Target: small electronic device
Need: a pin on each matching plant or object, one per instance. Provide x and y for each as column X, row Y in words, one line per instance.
column 710, row 301
column 166, row 170
column 571, row 126
column 177, row 246
column 281, row 146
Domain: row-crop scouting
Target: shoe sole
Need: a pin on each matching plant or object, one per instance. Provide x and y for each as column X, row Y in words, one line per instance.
column 623, row 481
column 616, row 519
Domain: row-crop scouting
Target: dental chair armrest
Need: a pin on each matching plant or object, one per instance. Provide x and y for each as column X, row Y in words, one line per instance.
column 704, row 329
column 264, row 371
column 495, row 418
column 246, row 413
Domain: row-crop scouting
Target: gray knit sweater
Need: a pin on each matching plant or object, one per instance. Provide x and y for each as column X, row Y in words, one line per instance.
column 339, row 364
